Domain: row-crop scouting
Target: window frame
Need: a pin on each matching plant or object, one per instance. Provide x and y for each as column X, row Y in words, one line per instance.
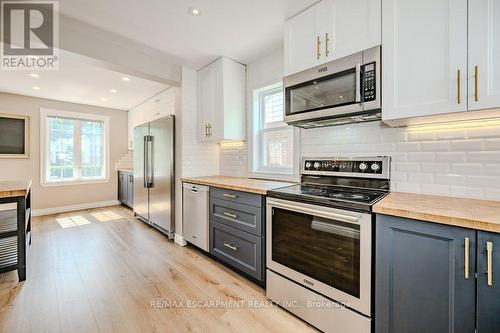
column 256, row 151
column 44, row 149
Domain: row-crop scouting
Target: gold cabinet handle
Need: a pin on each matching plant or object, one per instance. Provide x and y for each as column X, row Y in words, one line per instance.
column 458, row 87
column 209, row 126
column 467, row 258
column 234, row 216
column 327, row 39
column 234, row 196
column 476, row 83
column 489, row 263
column 318, row 48
column 232, row 247
column 206, row 131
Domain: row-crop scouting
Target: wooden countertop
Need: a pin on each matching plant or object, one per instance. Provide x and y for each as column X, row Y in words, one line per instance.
column 258, row 186
column 14, row 188
column 460, row 212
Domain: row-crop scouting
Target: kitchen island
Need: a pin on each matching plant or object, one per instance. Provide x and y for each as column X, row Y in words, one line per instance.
column 15, row 226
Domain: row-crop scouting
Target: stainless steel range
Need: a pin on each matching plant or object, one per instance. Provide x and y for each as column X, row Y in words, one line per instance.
column 319, row 241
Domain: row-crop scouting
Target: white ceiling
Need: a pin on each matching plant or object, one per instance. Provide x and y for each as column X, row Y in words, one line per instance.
column 240, row 29
column 80, row 82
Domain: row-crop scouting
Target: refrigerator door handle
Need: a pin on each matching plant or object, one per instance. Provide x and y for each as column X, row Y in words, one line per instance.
column 151, row 156
column 145, row 161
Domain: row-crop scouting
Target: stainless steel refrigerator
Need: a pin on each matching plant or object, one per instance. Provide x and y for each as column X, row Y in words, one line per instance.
column 154, row 174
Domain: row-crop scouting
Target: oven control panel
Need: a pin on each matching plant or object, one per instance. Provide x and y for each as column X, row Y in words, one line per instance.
column 368, row 84
column 344, row 166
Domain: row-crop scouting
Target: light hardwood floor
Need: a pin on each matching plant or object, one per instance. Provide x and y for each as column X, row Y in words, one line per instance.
column 100, row 270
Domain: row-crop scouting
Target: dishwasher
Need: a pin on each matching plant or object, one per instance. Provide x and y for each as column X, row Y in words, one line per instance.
column 195, row 215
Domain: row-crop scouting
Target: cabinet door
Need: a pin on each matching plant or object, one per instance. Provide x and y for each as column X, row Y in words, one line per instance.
column 424, row 57
column 488, row 283
column 421, row 282
column 484, row 54
column 351, row 26
column 304, row 39
column 206, row 101
column 131, row 123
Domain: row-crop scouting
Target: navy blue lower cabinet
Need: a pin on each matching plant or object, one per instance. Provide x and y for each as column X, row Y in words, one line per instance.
column 488, row 282
column 424, row 277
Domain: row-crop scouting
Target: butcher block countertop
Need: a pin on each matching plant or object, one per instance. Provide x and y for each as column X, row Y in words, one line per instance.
column 461, row 212
column 14, row 188
column 258, row 186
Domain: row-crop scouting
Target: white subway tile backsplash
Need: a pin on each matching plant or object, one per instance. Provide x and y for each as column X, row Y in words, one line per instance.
column 450, row 157
column 435, row 167
column 467, row 192
column 450, row 179
column 421, row 178
column 483, row 181
column 435, row 146
column 434, row 189
column 484, row 156
column 466, row 169
column 457, row 162
column 467, row 145
column 421, row 157
column 492, row 169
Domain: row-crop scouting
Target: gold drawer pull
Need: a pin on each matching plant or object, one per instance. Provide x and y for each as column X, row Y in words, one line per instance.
column 232, row 247
column 234, row 196
column 489, row 262
column 467, row 258
column 459, row 100
column 476, row 83
column 234, row 216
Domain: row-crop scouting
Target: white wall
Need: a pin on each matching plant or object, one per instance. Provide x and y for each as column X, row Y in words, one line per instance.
column 460, row 162
column 57, row 196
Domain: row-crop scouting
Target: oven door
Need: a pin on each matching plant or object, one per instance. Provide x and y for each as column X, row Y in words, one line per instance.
column 324, row 249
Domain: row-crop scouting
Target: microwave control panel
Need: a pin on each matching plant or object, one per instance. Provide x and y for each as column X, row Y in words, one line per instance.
column 369, row 79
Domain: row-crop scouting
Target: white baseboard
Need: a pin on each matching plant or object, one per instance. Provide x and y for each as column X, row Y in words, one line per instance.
column 179, row 240
column 71, row 208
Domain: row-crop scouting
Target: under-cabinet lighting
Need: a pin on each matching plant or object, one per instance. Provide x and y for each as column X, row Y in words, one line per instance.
column 232, row 144
column 461, row 124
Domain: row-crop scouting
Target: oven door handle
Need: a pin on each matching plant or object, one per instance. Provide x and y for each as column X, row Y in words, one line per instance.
column 358, row 83
column 334, row 229
column 319, row 213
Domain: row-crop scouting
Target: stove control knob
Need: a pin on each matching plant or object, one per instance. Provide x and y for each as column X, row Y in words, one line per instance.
column 316, row 165
column 308, row 165
column 375, row 166
column 363, row 166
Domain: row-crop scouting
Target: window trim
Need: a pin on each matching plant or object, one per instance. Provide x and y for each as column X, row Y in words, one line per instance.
column 256, row 170
column 44, row 151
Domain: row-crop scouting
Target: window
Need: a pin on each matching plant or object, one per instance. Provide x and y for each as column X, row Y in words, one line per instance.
column 74, row 147
column 273, row 151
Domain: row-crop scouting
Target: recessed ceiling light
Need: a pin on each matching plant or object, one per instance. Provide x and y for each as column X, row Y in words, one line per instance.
column 194, row 11
column 104, row 99
column 33, row 57
column 125, row 78
column 35, row 75
column 113, row 91
column 36, row 88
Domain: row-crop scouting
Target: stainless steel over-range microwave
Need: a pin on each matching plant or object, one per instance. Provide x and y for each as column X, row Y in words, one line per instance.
column 346, row 90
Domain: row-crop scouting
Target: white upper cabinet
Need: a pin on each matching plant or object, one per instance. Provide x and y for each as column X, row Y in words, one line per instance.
column 329, row 30
column 424, row 57
column 159, row 106
column 484, row 54
column 221, row 101
column 304, row 37
column 351, row 26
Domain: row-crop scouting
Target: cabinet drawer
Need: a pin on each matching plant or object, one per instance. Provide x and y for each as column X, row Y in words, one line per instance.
column 239, row 216
column 237, row 248
column 236, row 196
